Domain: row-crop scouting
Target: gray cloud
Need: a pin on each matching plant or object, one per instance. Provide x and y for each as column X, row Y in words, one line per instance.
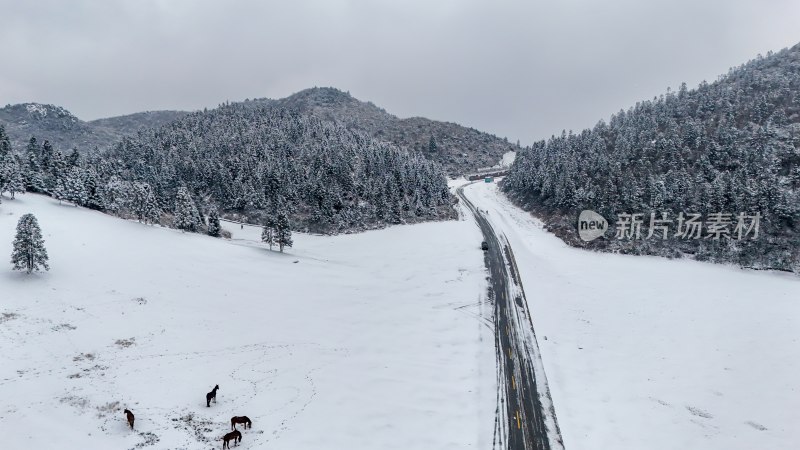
column 519, row 69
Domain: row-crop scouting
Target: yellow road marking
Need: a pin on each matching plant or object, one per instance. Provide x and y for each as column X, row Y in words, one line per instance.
column 513, row 384
column 518, row 424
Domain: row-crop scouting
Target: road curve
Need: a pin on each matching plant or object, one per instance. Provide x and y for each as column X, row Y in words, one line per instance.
column 521, row 417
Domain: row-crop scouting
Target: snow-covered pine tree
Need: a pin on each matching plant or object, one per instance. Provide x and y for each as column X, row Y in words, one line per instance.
column 283, row 231
column 14, row 181
column 94, row 197
column 33, row 147
column 395, row 200
column 6, row 162
column 74, row 158
column 187, row 217
column 419, row 208
column 151, row 210
column 5, row 167
column 33, row 172
column 29, row 253
column 214, row 227
column 56, row 173
column 59, row 191
column 5, row 142
column 268, row 233
column 117, row 195
column 143, row 203
column 74, row 190
column 46, row 154
column 379, row 200
column 5, row 146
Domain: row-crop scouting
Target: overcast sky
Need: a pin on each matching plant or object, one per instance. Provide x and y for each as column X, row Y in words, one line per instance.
column 519, row 69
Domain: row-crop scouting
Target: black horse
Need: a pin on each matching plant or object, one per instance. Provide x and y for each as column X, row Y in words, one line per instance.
column 241, row 419
column 234, row 435
column 212, row 396
column 129, row 416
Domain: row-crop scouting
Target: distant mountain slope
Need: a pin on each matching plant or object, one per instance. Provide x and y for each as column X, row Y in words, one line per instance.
column 729, row 147
column 65, row 131
column 129, row 124
column 459, row 149
column 55, row 124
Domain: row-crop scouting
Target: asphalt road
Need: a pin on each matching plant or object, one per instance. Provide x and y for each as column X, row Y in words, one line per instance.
column 520, row 412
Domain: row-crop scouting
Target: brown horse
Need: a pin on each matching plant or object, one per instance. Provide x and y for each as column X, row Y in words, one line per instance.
column 129, row 416
column 241, row 419
column 234, row 435
column 212, row 396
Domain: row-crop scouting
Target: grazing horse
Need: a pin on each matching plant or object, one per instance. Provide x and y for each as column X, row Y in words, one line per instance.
column 234, row 435
column 241, row 419
column 129, row 416
column 212, row 396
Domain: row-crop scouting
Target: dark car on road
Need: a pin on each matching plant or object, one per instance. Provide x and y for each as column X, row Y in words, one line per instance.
column 484, row 246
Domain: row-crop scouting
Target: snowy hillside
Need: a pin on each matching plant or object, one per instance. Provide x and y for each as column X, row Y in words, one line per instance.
column 368, row 341
column 648, row 353
column 458, row 148
column 259, row 162
column 65, row 131
column 721, row 155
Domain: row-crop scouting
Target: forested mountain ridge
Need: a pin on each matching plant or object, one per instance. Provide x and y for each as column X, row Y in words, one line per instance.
column 269, row 166
column 729, row 147
column 258, row 162
column 459, row 149
column 65, row 131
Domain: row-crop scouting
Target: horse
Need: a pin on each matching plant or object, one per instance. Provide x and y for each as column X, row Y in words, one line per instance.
column 241, row 419
column 234, row 435
column 212, row 396
column 129, row 416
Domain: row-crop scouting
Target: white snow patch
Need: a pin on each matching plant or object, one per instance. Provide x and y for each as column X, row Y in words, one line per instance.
column 35, row 108
column 508, row 159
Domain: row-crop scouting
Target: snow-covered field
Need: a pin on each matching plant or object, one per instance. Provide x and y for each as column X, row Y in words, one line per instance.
column 374, row 340
column 366, row 341
column 648, row 353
